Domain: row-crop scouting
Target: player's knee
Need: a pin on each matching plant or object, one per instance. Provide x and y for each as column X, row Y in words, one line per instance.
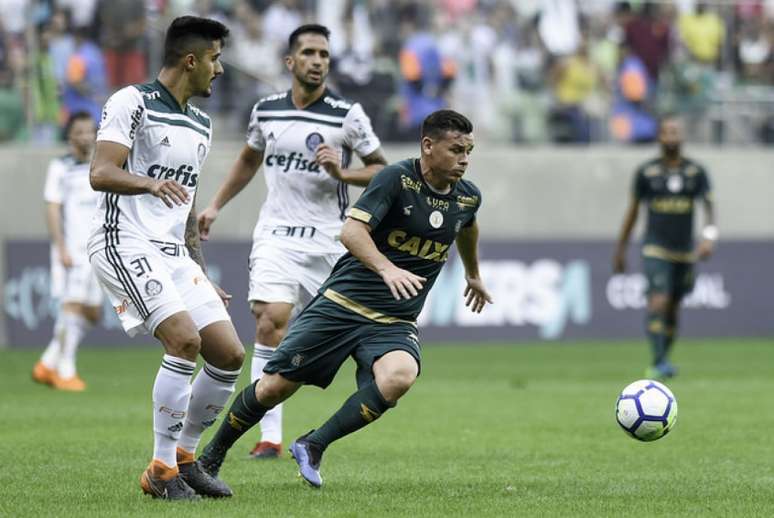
column 658, row 303
column 396, row 380
column 268, row 331
column 271, row 391
column 185, row 345
column 234, row 357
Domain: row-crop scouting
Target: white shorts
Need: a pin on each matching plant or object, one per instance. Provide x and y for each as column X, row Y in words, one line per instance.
column 281, row 275
column 146, row 285
column 76, row 284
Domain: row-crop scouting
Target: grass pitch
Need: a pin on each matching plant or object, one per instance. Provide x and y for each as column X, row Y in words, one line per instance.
column 521, row 430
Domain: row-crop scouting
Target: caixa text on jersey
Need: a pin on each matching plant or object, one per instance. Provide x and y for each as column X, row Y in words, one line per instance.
column 183, row 175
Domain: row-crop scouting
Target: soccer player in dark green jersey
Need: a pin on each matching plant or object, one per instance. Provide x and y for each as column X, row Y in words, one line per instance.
column 398, row 235
column 668, row 186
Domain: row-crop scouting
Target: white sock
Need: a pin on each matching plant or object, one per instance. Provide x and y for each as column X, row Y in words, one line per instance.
column 171, row 394
column 209, row 393
column 271, row 424
column 50, row 356
column 76, row 327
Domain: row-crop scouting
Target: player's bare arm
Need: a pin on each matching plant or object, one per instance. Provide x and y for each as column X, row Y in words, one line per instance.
column 709, row 234
column 476, row 296
column 356, row 237
column 329, row 159
column 239, row 176
column 194, row 245
column 54, row 223
column 107, row 174
column 630, row 219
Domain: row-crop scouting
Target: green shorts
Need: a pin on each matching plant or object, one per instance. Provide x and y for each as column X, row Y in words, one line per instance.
column 325, row 334
column 671, row 278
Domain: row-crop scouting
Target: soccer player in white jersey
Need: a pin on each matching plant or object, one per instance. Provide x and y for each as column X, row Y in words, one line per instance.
column 145, row 249
column 304, row 138
column 70, row 203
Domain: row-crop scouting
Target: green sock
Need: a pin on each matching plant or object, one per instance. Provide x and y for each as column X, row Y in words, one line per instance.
column 245, row 412
column 656, row 331
column 362, row 408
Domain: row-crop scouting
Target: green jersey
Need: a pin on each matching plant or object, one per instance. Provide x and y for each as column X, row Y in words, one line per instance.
column 669, row 194
column 414, row 227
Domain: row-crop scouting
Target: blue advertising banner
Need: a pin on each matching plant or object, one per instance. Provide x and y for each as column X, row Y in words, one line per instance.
column 543, row 290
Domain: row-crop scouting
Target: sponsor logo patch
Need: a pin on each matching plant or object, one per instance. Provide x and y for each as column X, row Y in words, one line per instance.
column 313, row 140
column 153, row 287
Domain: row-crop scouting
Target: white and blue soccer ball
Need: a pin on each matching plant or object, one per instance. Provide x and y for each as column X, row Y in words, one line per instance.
column 646, row 410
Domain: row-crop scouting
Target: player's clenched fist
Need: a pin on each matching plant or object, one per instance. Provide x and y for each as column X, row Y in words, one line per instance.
column 402, row 283
column 328, row 158
column 206, row 218
column 170, row 192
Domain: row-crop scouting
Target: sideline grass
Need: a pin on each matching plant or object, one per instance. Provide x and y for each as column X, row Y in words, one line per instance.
column 526, row 430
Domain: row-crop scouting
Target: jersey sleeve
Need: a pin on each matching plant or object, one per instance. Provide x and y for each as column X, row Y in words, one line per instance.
column 358, row 133
column 705, row 186
column 52, row 193
column 255, row 139
column 474, row 214
column 122, row 117
column 639, row 185
column 378, row 197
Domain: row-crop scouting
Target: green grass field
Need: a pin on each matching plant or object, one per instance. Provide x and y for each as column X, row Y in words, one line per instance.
column 486, row 431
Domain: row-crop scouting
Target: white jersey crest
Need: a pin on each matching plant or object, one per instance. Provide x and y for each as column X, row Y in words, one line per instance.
column 305, row 206
column 165, row 142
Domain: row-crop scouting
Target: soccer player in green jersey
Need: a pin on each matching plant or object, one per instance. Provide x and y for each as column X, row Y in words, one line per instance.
column 668, row 186
column 398, row 236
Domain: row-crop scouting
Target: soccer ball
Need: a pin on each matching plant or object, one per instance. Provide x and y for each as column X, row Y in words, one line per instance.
column 646, row 410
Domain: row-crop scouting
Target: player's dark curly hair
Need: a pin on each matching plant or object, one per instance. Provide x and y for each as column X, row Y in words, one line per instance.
column 72, row 119
column 191, row 34
column 314, row 28
column 439, row 122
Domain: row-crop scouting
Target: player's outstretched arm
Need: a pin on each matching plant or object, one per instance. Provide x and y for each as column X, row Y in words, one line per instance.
column 54, row 224
column 107, row 174
column 328, row 158
column 476, row 296
column 630, row 218
column 356, row 237
column 238, row 177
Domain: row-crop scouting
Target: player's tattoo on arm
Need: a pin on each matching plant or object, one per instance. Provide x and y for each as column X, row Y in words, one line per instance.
column 377, row 157
column 192, row 241
column 372, row 164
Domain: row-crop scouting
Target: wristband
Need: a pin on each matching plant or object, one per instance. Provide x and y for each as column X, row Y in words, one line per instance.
column 710, row 233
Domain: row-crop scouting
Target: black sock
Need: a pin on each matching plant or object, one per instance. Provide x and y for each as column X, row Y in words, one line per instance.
column 362, row 408
column 670, row 335
column 656, row 330
column 245, row 412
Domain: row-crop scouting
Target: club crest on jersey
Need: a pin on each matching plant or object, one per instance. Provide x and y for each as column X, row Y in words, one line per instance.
column 201, row 152
column 313, row 140
column 436, row 219
column 153, row 287
column 674, row 183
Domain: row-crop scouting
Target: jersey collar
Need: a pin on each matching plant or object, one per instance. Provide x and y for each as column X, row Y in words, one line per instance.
column 418, row 173
column 169, row 99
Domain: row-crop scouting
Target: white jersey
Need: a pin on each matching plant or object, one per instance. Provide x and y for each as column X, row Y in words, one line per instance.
column 305, row 206
column 67, row 184
column 165, row 142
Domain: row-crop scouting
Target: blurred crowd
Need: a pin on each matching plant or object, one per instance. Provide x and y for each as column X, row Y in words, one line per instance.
column 526, row 71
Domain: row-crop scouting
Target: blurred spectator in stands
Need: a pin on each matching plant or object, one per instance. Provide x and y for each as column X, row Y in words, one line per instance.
column 702, row 32
column 425, row 75
column 121, row 26
column 632, row 118
column 44, row 89
column 61, row 44
column 753, row 52
column 280, row 19
column 86, row 84
column 574, row 80
column 82, row 12
column 559, row 26
column 257, row 59
column 648, row 37
column 11, row 102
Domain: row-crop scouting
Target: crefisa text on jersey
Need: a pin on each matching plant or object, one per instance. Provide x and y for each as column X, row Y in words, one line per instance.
column 286, row 161
column 183, row 175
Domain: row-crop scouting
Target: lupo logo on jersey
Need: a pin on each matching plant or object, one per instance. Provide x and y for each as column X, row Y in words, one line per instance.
column 296, row 160
column 183, row 175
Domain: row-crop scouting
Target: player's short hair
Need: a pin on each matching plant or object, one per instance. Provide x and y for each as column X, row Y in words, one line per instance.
column 439, row 122
column 670, row 116
column 314, row 28
column 72, row 119
column 190, row 34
